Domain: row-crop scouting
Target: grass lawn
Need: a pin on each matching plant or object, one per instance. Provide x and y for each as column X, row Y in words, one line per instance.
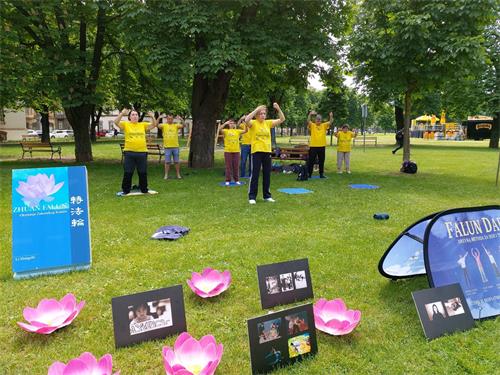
column 333, row 228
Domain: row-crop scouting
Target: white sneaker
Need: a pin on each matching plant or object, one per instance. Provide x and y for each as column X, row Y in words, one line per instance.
column 339, row 172
column 238, row 183
column 226, row 183
column 252, row 201
column 165, row 177
column 348, row 172
column 270, row 200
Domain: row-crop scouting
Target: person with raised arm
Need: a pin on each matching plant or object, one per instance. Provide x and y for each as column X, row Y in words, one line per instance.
column 317, row 142
column 135, row 152
column 170, row 132
column 260, row 130
column 231, row 150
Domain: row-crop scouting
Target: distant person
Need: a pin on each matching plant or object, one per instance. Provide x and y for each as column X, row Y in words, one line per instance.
column 344, row 137
column 260, row 130
column 317, row 142
column 115, row 132
column 399, row 140
column 135, row 152
column 245, row 149
column 171, row 143
column 231, row 150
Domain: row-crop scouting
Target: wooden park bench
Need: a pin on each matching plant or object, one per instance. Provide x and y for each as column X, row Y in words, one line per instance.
column 299, row 140
column 369, row 140
column 40, row 147
column 153, row 149
column 291, row 153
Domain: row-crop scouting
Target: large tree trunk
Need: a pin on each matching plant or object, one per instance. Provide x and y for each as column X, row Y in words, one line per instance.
column 495, row 131
column 406, row 131
column 45, row 124
column 400, row 117
column 208, row 101
column 79, row 119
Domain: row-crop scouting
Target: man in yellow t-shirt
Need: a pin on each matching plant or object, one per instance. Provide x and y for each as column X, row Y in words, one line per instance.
column 170, row 132
column 231, row 150
column 246, row 149
column 260, row 131
column 135, row 152
column 317, row 142
column 344, row 137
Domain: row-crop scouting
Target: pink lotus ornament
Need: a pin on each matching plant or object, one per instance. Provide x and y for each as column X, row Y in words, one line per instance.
column 51, row 314
column 86, row 364
column 210, row 283
column 333, row 317
column 192, row 357
column 38, row 188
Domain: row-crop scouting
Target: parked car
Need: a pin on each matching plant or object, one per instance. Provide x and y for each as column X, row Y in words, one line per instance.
column 31, row 133
column 61, row 134
column 100, row 133
column 111, row 134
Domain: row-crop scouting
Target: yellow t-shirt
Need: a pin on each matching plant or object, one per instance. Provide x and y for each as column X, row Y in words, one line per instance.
column 246, row 139
column 318, row 134
column 344, row 140
column 261, row 135
column 170, row 134
column 135, row 136
column 232, row 140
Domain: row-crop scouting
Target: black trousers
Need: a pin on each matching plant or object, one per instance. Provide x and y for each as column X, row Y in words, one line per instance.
column 260, row 160
column 400, row 145
column 131, row 161
column 314, row 152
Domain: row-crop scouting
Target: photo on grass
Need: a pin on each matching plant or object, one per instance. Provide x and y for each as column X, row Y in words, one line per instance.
column 150, row 315
column 454, row 306
column 435, row 311
column 273, row 284
column 281, row 338
column 299, row 279
column 284, row 282
column 297, row 323
column 299, row 345
column 269, row 330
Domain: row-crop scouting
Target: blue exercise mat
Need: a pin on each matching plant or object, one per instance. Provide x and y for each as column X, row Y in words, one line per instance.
column 295, row 191
column 363, row 186
column 232, row 184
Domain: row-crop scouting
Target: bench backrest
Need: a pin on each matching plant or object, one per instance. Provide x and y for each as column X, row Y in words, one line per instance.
column 37, row 144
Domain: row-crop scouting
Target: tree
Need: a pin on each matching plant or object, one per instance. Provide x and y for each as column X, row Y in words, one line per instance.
column 410, row 47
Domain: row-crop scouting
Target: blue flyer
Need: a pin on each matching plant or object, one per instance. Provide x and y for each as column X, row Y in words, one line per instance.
column 50, row 221
column 463, row 246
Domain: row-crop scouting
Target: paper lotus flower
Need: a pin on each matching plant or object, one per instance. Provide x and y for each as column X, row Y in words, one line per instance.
column 333, row 317
column 192, row 357
column 210, row 283
column 51, row 314
column 37, row 188
column 83, row 365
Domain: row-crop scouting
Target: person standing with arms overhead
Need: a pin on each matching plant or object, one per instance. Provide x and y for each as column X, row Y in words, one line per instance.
column 135, row 152
column 260, row 130
column 246, row 149
column 231, row 150
column 171, row 143
column 344, row 137
column 317, row 142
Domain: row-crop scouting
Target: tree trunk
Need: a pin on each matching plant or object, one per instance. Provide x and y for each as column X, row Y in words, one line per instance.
column 79, row 119
column 45, row 124
column 406, row 132
column 208, row 100
column 495, row 131
column 400, row 117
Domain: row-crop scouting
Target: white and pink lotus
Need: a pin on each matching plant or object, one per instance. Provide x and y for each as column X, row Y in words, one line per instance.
column 51, row 314
column 210, row 283
column 333, row 317
column 86, row 364
column 38, row 188
column 192, row 357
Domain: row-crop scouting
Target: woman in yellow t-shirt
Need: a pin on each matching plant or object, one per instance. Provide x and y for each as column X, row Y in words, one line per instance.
column 135, row 152
column 260, row 130
column 344, row 137
column 232, row 150
column 170, row 132
column 317, row 142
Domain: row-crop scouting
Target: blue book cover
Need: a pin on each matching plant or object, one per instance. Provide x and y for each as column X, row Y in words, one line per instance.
column 50, row 221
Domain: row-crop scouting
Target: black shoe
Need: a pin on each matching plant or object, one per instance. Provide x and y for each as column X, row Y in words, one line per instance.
column 393, row 152
column 322, row 176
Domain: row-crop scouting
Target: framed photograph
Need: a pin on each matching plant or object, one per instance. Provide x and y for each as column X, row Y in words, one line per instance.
column 283, row 283
column 150, row 315
column 281, row 338
column 443, row 310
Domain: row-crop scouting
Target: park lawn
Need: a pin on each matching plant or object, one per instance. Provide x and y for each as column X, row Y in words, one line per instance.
column 333, row 228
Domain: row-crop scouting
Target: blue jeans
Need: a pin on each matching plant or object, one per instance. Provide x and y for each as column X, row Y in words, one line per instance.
column 245, row 156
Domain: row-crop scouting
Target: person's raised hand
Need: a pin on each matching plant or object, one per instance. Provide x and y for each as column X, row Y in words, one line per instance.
column 151, row 114
column 276, row 106
column 124, row 112
column 331, row 114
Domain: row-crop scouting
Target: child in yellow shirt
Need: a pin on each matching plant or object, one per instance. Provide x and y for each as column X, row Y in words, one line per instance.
column 344, row 137
column 232, row 150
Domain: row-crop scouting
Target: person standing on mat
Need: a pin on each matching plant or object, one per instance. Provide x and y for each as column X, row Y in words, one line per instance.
column 231, row 150
column 246, row 149
column 171, row 144
column 260, row 130
column 399, row 140
column 135, row 152
column 317, row 142
column 344, row 137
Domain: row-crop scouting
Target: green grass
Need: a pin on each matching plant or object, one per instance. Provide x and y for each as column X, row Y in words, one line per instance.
column 333, row 228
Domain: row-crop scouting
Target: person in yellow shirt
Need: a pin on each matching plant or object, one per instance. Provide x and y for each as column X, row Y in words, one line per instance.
column 344, row 137
column 135, row 152
column 231, row 150
column 317, row 142
column 260, row 131
column 245, row 149
column 170, row 131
